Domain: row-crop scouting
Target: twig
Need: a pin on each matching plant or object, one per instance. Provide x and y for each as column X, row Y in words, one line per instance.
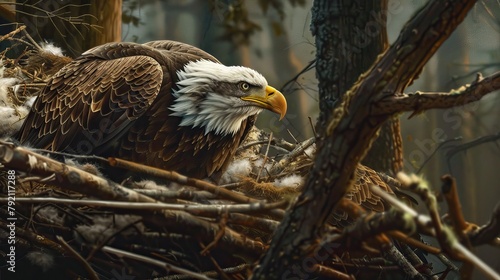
column 463, row 147
column 421, row 188
column 421, row 101
column 311, row 65
column 253, row 222
column 260, row 142
column 492, row 274
column 12, row 33
column 285, row 161
column 420, row 219
column 413, row 242
column 86, row 265
column 265, row 158
column 36, row 239
column 229, row 270
column 167, row 266
column 312, row 127
column 331, row 273
column 397, row 257
column 488, row 233
column 194, row 209
column 206, row 251
column 450, row 193
column 218, row 236
column 163, row 194
column 440, row 145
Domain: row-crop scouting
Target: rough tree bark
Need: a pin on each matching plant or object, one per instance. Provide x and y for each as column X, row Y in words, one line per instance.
column 353, row 36
column 350, row 130
column 75, row 26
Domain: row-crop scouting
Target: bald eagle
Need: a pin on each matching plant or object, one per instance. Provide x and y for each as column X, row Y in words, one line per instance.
column 164, row 103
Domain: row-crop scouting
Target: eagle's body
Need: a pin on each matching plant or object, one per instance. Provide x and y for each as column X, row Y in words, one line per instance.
column 163, row 103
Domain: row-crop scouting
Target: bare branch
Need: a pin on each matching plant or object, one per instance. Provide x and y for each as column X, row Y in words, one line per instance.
column 421, row 101
column 285, row 161
column 76, row 255
column 148, row 206
column 488, row 233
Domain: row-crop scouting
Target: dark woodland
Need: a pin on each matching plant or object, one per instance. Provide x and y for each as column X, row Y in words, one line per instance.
column 374, row 182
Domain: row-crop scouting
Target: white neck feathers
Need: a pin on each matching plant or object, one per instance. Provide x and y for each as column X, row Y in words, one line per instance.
column 200, row 104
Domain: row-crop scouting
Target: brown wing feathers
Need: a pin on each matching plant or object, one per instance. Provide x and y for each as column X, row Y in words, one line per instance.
column 361, row 194
column 86, row 97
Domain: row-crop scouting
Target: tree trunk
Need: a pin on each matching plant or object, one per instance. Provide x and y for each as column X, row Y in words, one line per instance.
column 76, row 26
column 357, row 34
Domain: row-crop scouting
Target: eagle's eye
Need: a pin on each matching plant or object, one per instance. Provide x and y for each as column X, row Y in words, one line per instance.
column 244, row 86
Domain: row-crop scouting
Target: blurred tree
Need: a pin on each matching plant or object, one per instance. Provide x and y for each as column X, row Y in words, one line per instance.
column 357, row 35
column 75, row 26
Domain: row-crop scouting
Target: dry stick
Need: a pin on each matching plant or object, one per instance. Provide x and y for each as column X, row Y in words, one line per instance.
column 12, row 33
column 476, row 261
column 415, row 260
column 162, row 194
column 253, row 222
column 194, row 209
column 445, row 237
column 420, row 101
column 36, row 239
column 229, row 270
column 74, row 179
column 312, row 127
column 424, row 221
column 331, row 273
column 265, row 158
column 375, row 226
column 86, row 265
column 489, row 232
column 167, row 266
column 413, row 242
column 112, row 236
column 355, row 211
column 465, row 146
column 449, row 190
column 277, row 143
column 218, row 236
column 397, row 257
column 450, row 193
column 299, row 149
column 206, row 251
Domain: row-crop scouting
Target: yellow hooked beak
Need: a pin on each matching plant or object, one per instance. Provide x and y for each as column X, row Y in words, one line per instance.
column 271, row 99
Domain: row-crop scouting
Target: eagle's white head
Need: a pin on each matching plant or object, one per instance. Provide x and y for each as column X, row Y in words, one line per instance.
column 218, row 98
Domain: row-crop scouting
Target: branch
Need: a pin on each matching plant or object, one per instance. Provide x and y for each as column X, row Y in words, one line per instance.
column 488, row 233
column 421, row 101
column 288, row 158
column 148, row 206
column 479, row 141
